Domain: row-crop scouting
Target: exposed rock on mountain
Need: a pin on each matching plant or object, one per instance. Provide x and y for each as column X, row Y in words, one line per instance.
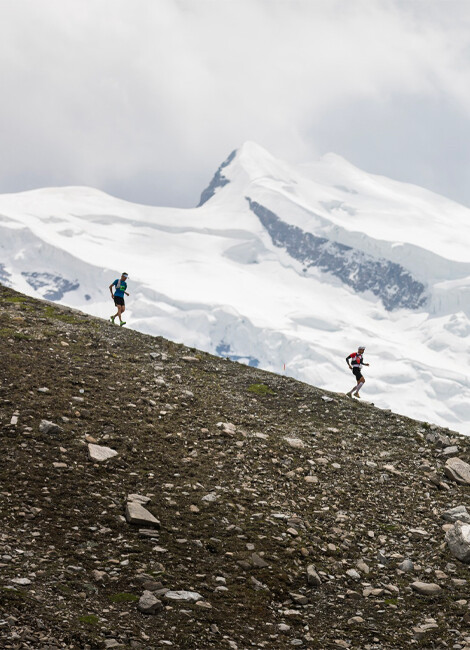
column 387, row 280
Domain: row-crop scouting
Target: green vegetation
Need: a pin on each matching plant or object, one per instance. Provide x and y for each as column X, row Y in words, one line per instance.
column 52, row 312
column 91, row 619
column 260, row 389
column 123, row 598
column 22, row 337
column 14, row 299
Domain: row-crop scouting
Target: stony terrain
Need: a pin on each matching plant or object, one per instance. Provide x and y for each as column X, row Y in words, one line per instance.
column 272, row 514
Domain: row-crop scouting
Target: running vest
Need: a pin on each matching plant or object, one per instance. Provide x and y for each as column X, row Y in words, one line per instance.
column 356, row 359
column 120, row 288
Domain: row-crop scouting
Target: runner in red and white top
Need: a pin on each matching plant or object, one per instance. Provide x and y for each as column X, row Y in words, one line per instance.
column 355, row 362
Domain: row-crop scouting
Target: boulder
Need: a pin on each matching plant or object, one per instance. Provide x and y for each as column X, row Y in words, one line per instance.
column 458, row 541
column 458, row 470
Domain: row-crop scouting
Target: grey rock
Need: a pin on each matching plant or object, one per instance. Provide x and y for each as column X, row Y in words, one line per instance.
column 406, row 566
column 210, row 498
column 149, row 532
column 422, row 630
column 258, row 561
column 45, row 426
column 458, row 470
column 138, row 498
column 257, row 585
column 312, row 576
column 426, row 588
column 352, row 573
column 99, row 454
column 299, row 599
column 21, row 581
column 188, row 596
column 112, row 643
column 450, row 451
column 458, row 541
column 459, row 513
column 296, row 443
column 438, row 439
column 148, row 604
column 140, row 516
column 362, row 566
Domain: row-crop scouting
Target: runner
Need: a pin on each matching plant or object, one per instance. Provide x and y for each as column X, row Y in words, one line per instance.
column 355, row 365
column 118, row 297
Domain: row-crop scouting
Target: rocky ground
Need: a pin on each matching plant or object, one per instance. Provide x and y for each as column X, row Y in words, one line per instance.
column 241, row 510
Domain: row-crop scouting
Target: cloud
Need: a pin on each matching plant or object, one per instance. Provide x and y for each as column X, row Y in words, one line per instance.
column 144, row 99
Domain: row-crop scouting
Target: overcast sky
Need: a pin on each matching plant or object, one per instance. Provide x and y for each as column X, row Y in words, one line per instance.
column 145, row 98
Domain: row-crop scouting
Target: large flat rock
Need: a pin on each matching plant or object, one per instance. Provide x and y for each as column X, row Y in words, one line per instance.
column 137, row 515
column 458, row 470
column 99, row 453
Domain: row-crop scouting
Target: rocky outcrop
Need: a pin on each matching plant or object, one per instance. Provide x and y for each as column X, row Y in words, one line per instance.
column 56, row 285
column 219, row 180
column 392, row 283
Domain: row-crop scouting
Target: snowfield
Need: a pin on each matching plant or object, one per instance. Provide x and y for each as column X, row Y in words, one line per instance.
column 279, row 264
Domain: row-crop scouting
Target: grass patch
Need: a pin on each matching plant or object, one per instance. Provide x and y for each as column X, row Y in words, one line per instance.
column 15, row 299
column 90, row 619
column 123, row 598
column 21, row 337
column 391, row 601
column 51, row 312
column 260, row 389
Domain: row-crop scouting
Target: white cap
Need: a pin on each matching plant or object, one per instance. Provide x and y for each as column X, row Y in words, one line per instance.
column 361, row 347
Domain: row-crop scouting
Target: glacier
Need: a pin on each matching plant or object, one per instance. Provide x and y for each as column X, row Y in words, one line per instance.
column 284, row 267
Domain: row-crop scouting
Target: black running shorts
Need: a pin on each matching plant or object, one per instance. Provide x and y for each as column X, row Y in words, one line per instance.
column 119, row 300
column 357, row 373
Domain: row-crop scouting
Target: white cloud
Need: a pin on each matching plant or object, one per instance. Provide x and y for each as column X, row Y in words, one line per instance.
column 144, row 98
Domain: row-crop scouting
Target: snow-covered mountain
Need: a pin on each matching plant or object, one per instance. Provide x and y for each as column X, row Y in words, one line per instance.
column 279, row 264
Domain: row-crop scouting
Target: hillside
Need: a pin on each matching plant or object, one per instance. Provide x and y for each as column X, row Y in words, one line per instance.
column 280, row 264
column 284, row 516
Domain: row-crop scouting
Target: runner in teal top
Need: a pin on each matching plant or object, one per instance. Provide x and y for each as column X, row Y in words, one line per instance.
column 120, row 287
